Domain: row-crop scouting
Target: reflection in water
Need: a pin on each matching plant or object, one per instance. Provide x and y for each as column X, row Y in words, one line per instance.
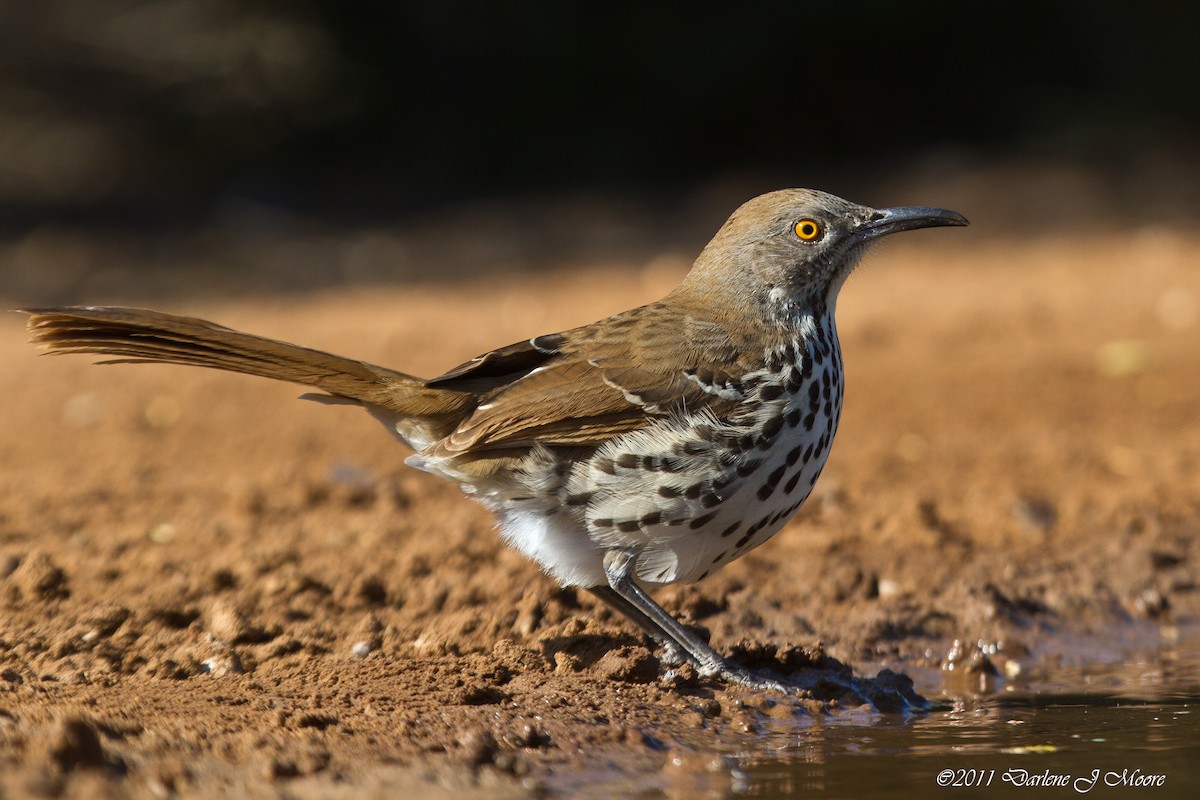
column 1129, row 727
column 1119, row 728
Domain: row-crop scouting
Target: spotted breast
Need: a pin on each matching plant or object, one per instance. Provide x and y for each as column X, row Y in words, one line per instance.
column 694, row 491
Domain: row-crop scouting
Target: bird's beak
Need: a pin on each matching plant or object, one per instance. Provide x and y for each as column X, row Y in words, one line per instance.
column 907, row 218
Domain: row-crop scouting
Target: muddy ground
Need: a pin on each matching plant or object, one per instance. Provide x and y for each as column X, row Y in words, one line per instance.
column 210, row 588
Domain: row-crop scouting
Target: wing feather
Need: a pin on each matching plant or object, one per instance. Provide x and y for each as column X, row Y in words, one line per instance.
column 598, row 381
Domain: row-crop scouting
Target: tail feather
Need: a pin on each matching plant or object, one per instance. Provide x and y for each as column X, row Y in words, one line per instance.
column 139, row 335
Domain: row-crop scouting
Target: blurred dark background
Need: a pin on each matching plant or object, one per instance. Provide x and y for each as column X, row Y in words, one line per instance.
column 152, row 122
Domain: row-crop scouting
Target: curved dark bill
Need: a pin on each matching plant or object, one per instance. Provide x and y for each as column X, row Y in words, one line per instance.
column 907, row 218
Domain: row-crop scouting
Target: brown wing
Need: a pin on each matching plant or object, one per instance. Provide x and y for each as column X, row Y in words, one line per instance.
column 499, row 367
column 589, row 384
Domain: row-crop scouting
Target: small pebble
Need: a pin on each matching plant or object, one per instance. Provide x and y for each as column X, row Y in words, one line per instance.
column 162, row 533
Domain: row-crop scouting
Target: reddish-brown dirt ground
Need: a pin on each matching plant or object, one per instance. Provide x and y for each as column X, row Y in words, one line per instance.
column 208, row 588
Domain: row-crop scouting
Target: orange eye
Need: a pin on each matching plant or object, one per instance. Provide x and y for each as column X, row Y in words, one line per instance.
column 809, row 230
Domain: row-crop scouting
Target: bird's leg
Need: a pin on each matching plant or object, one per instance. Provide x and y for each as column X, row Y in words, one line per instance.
column 632, row 601
column 672, row 654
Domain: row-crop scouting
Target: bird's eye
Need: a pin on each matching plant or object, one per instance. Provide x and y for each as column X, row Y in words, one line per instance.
column 809, row 230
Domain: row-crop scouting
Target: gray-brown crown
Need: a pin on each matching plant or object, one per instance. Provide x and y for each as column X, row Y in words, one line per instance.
column 800, row 242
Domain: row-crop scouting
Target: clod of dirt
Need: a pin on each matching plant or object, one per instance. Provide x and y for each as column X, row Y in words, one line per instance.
column 786, row 659
column 307, row 762
column 478, row 694
column 368, row 637
column 315, row 720
column 629, row 665
column 230, row 624
column 222, row 663
column 1035, row 513
column 370, row 590
column 73, row 744
column 170, row 669
column 176, row 617
column 104, row 621
column 39, row 578
column 478, row 747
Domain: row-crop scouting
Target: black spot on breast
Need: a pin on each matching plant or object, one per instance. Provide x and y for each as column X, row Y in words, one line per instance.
column 700, row 522
column 629, row 461
column 746, row 442
column 703, row 575
column 794, row 381
column 731, row 530
column 711, row 499
column 693, row 448
column 770, row 392
column 790, row 486
column 579, row 498
column 723, row 480
column 748, row 467
column 808, row 453
column 720, row 557
column 693, row 492
column 773, row 479
column 793, row 455
column 771, row 429
column 605, row 465
column 753, row 529
column 828, row 409
column 628, row 525
column 603, row 522
column 793, row 417
column 809, row 420
column 669, row 491
column 653, row 518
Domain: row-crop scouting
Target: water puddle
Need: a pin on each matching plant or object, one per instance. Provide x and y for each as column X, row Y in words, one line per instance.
column 1093, row 719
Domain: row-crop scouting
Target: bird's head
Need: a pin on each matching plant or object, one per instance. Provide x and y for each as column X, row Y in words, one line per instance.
column 798, row 246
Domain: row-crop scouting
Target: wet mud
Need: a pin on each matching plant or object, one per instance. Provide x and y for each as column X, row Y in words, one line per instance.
column 210, row 588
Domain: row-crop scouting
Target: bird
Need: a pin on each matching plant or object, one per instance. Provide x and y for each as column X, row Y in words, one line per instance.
column 652, row 447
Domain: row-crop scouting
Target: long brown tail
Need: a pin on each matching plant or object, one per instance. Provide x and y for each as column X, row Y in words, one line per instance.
column 141, row 335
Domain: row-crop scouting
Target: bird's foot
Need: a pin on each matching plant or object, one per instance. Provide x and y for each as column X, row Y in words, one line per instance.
column 888, row 691
column 751, row 679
